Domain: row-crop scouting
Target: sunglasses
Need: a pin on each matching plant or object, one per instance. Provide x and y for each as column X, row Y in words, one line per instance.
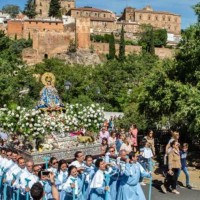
column 112, row 151
column 55, row 163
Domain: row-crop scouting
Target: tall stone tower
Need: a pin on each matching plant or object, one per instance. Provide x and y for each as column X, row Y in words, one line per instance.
column 42, row 7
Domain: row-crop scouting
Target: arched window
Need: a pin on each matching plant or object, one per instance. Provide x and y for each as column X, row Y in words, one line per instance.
column 149, row 17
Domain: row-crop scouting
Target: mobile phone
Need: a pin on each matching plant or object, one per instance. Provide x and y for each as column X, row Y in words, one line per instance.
column 45, row 173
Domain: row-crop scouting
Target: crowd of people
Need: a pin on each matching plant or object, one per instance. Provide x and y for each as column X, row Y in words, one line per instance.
column 116, row 174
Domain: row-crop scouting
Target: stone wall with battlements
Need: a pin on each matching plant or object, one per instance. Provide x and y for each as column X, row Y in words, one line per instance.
column 25, row 28
column 48, row 43
column 103, row 48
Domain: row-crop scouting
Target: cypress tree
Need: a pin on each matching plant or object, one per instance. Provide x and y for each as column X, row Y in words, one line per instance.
column 151, row 42
column 112, row 50
column 29, row 9
column 122, row 45
column 54, row 9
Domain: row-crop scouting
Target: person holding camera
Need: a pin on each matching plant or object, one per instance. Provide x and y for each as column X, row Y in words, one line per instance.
column 46, row 180
column 37, row 190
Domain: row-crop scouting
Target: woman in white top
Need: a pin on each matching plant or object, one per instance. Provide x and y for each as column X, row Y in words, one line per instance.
column 126, row 145
column 112, row 139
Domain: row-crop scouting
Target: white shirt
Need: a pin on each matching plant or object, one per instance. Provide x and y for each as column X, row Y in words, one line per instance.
column 61, row 176
column 147, row 153
column 98, row 179
column 15, row 169
column 52, row 169
column 126, row 147
column 21, row 183
column 69, row 182
column 77, row 164
column 111, row 141
column 8, row 163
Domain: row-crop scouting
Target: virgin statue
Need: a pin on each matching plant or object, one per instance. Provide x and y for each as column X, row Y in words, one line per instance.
column 49, row 98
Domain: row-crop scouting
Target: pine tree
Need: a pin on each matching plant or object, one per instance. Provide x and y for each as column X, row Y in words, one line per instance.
column 112, row 50
column 122, row 45
column 54, row 9
column 29, row 9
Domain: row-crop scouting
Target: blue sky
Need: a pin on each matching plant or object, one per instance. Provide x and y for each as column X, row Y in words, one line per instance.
column 182, row 7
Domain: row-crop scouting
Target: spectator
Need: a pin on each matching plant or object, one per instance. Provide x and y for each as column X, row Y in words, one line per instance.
column 174, row 164
column 175, row 136
column 103, row 134
column 183, row 154
column 119, row 141
column 104, row 146
column 134, row 134
column 126, row 145
column 150, row 139
column 112, row 139
column 111, row 124
column 146, row 155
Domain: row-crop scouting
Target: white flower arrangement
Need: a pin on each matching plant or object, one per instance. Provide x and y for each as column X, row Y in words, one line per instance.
column 34, row 123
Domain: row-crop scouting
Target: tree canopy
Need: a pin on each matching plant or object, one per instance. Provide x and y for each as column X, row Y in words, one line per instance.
column 150, row 91
column 30, row 9
column 11, row 9
column 54, row 9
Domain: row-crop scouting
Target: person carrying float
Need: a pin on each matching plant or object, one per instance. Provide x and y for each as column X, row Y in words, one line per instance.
column 129, row 187
column 72, row 188
column 100, row 189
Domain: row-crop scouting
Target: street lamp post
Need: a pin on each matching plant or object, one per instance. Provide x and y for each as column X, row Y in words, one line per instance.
column 67, row 86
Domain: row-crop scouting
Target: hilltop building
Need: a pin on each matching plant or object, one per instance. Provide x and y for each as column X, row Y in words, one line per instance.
column 42, row 7
column 52, row 36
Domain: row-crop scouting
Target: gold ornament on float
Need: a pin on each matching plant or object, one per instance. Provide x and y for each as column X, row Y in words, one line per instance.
column 48, row 78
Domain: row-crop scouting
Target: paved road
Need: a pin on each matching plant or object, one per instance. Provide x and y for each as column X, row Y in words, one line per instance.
column 185, row 194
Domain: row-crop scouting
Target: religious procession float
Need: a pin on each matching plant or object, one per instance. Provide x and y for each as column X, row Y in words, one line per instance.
column 52, row 128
